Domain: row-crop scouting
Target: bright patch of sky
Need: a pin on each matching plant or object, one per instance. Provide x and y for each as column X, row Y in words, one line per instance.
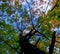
column 28, row 5
column 57, row 30
column 37, row 6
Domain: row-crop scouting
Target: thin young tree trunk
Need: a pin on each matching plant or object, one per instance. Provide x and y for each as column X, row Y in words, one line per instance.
column 51, row 48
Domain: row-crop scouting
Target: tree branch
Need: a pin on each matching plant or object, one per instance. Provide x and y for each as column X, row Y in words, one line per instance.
column 55, row 5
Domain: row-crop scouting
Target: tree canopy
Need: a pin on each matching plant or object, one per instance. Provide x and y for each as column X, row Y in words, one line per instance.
column 35, row 19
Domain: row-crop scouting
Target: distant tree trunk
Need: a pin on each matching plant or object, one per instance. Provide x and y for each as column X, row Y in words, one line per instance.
column 51, row 48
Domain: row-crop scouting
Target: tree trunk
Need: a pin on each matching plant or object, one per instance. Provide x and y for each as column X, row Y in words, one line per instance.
column 51, row 48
